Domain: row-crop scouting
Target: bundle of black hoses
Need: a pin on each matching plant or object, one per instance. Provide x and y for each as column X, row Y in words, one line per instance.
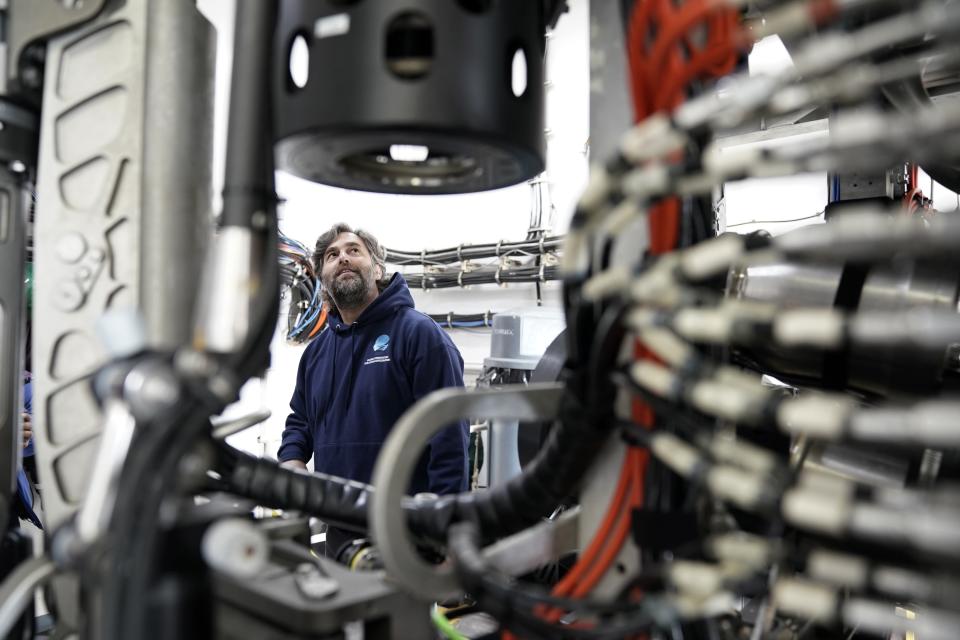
column 475, row 251
column 338, row 501
column 516, row 607
column 485, row 275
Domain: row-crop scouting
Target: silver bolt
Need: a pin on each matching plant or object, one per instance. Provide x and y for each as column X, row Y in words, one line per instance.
column 150, row 388
column 193, row 363
column 259, row 220
column 222, row 388
column 193, row 468
column 68, row 296
column 31, row 77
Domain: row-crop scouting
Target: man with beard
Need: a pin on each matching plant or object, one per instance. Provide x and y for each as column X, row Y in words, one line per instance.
column 377, row 357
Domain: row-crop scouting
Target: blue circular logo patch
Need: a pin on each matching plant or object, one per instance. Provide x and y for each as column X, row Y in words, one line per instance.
column 381, row 343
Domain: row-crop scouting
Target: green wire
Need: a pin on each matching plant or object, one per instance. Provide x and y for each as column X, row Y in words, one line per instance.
column 444, row 625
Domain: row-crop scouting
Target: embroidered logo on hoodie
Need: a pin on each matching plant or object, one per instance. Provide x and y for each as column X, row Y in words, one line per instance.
column 380, row 344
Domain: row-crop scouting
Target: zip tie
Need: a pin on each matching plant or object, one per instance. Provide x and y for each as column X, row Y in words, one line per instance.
column 450, row 320
column 499, row 243
column 423, row 280
column 541, row 273
column 460, row 278
column 423, row 259
column 496, row 276
column 541, row 245
column 486, row 318
column 460, row 253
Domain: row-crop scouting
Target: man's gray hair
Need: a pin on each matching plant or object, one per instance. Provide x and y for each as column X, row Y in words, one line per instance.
column 377, row 252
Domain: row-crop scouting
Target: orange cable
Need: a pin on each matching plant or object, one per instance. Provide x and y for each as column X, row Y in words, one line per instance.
column 566, row 586
column 321, row 320
column 611, row 551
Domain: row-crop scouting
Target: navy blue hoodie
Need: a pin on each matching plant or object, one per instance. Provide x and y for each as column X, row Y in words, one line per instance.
column 355, row 381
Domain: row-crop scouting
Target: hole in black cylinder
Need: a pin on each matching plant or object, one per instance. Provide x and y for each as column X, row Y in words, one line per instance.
column 409, row 48
column 298, row 63
column 518, row 72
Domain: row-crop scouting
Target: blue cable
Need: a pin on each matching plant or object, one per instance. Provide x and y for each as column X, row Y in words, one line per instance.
column 309, row 318
column 466, row 325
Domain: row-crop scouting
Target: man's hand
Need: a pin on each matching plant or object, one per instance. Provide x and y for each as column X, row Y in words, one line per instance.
column 295, row 464
column 27, row 429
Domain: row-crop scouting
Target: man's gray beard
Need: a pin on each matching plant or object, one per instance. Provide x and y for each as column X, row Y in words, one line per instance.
column 350, row 293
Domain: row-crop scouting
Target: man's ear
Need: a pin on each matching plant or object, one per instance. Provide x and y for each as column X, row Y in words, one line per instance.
column 379, row 272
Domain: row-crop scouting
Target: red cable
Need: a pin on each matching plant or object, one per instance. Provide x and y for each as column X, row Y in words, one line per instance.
column 677, row 27
column 701, row 63
column 673, row 56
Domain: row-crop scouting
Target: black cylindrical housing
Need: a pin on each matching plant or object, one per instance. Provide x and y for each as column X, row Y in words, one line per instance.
column 248, row 175
column 435, row 76
column 884, row 370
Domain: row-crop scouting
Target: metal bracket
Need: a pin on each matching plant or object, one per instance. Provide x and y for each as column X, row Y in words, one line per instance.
column 534, row 547
column 274, row 600
column 401, row 451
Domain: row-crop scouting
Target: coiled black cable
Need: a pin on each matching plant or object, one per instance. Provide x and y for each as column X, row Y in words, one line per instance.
column 552, row 476
column 340, row 502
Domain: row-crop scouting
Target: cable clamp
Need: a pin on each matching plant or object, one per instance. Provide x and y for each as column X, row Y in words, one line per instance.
column 496, row 276
column 450, row 320
column 460, row 252
column 460, row 278
column 486, row 318
column 541, row 244
column 499, row 244
column 423, row 258
column 423, row 280
column 542, row 279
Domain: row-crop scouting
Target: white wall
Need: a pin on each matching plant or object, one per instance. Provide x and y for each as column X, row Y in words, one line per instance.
column 775, row 204
column 944, row 200
column 418, row 222
column 781, row 204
